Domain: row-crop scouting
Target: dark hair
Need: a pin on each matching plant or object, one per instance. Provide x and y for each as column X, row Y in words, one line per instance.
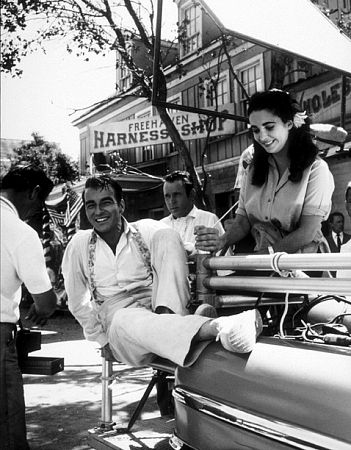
column 103, row 182
column 301, row 149
column 336, row 214
column 182, row 176
column 23, row 178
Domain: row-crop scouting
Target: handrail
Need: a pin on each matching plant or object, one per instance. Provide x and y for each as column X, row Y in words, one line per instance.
column 303, row 261
column 334, row 286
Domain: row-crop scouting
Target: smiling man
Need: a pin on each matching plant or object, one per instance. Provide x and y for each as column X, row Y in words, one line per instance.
column 120, row 277
column 179, row 195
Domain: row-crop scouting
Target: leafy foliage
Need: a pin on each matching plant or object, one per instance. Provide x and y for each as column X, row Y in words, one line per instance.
column 342, row 17
column 48, row 156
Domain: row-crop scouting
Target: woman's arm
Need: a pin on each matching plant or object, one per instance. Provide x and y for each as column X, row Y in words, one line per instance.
column 208, row 239
column 303, row 235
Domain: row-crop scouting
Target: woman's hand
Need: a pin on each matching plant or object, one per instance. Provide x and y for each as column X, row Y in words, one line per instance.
column 208, row 239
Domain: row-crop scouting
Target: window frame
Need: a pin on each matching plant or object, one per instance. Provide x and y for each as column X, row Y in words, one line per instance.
column 208, row 103
column 239, row 99
column 197, row 34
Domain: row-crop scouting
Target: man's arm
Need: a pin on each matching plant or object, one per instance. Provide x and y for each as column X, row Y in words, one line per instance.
column 44, row 306
column 77, row 288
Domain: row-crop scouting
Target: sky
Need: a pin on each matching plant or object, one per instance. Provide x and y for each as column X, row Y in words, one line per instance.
column 51, row 87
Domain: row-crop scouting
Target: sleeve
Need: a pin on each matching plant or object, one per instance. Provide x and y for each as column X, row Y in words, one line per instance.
column 30, row 263
column 320, row 187
column 241, row 210
column 79, row 298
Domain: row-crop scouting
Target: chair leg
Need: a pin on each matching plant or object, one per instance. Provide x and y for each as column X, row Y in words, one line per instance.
column 106, row 400
column 142, row 401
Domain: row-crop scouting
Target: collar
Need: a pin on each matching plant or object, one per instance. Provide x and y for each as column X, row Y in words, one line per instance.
column 127, row 228
column 9, row 205
column 191, row 213
column 335, row 234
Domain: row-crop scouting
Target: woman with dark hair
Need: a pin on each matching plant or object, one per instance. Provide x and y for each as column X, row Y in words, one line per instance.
column 286, row 190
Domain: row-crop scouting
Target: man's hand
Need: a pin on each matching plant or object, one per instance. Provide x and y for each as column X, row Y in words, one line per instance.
column 208, row 239
column 35, row 317
column 107, row 353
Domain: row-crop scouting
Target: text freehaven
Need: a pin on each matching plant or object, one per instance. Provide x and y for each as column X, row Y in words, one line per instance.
column 151, row 131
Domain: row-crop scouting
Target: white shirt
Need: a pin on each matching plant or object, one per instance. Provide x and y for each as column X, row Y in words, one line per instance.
column 335, row 237
column 122, row 277
column 185, row 225
column 22, row 261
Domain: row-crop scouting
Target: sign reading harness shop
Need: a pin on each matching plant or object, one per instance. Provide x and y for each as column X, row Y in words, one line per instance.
column 151, row 130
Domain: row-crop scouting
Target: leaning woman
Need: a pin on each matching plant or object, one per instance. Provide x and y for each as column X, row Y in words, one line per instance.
column 286, row 191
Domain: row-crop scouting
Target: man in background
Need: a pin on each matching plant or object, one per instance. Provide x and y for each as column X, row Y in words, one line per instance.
column 23, row 190
column 179, row 195
column 337, row 237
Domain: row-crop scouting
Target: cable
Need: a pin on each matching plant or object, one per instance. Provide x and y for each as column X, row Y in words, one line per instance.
column 286, row 306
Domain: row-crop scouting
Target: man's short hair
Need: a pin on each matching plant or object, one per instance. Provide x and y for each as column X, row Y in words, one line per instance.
column 336, row 214
column 21, row 178
column 105, row 181
column 182, row 176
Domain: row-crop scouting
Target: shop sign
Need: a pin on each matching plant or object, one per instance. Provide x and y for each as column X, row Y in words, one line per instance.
column 323, row 103
column 151, row 130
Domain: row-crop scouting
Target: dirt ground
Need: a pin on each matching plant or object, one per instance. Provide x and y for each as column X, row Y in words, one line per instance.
column 61, row 408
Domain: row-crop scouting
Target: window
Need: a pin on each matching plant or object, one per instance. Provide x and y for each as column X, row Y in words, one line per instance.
column 124, row 77
column 192, row 25
column 251, row 77
column 217, row 89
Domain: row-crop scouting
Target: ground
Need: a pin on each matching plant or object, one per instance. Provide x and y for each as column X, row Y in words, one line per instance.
column 61, row 408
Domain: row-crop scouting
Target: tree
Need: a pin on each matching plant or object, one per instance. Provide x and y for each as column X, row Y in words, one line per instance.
column 49, row 157
column 91, row 27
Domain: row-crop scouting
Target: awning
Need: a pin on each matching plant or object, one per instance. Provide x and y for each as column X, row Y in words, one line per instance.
column 294, row 26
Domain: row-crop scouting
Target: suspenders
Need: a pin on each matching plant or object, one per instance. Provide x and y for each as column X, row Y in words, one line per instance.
column 141, row 247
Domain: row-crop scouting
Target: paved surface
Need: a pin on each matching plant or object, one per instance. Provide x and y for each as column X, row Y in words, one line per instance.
column 61, row 408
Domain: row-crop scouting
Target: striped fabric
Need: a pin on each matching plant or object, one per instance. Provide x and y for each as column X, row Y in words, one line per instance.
column 64, row 212
column 46, row 236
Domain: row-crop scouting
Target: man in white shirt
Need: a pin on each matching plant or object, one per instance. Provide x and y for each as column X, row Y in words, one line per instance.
column 23, row 190
column 120, row 278
column 179, row 194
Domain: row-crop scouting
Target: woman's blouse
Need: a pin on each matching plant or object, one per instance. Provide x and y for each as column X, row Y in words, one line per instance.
column 282, row 202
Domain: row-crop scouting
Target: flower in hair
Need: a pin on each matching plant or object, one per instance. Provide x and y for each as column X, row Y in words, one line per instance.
column 299, row 119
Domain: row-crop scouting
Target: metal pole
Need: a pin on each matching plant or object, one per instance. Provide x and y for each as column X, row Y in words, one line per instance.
column 306, row 261
column 157, row 48
column 203, row 295
column 336, row 286
column 106, row 401
column 343, row 101
column 223, row 301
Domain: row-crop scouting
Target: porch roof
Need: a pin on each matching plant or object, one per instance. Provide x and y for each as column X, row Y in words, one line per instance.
column 297, row 27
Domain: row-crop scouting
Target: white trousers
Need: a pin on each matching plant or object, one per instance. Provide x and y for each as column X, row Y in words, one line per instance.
column 137, row 334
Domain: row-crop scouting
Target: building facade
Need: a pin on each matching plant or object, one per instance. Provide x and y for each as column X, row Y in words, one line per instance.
column 208, row 72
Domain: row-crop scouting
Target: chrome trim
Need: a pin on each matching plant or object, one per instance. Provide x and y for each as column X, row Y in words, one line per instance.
column 300, row 261
column 334, row 286
column 295, row 436
column 175, row 442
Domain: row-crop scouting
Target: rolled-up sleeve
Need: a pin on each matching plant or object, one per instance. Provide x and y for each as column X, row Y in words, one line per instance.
column 77, row 288
column 320, row 188
column 241, row 210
